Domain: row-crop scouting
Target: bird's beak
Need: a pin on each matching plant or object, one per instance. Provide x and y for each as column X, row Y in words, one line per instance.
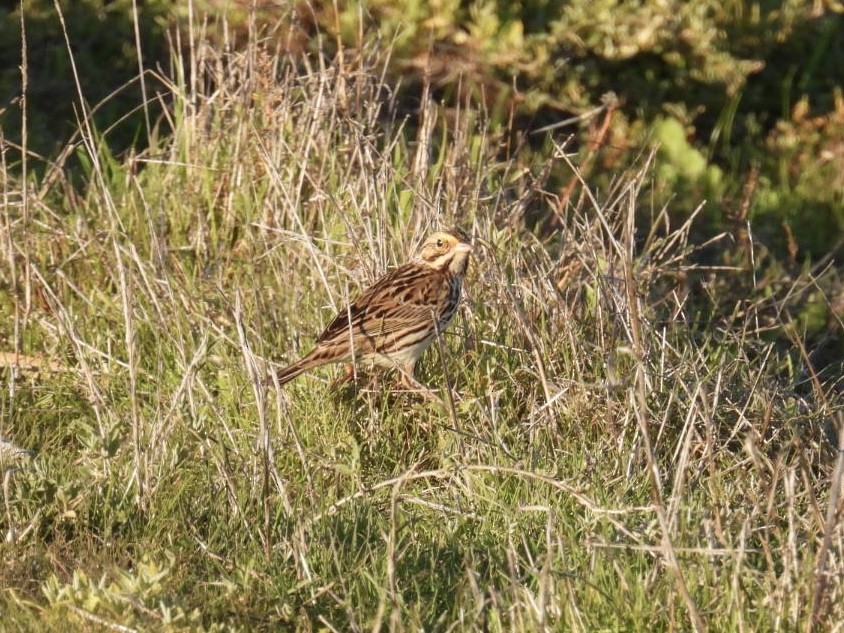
column 463, row 247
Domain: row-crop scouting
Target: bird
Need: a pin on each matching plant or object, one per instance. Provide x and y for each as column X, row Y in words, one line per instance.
column 393, row 321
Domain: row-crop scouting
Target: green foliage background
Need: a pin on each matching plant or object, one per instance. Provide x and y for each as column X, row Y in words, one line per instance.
column 743, row 98
column 102, row 37
column 742, row 86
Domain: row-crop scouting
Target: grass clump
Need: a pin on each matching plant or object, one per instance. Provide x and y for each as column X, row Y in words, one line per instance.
column 624, row 450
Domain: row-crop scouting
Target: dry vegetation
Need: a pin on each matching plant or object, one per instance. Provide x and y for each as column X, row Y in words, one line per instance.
column 620, row 449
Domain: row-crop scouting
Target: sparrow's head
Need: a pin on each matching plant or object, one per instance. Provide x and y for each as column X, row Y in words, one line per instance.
column 447, row 250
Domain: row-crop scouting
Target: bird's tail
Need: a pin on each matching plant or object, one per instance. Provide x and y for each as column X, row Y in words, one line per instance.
column 299, row 367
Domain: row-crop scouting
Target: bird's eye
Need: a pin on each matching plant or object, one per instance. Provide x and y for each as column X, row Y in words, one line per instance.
column 439, row 243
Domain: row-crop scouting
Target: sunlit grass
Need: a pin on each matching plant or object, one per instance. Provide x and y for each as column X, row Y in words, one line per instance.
column 614, row 457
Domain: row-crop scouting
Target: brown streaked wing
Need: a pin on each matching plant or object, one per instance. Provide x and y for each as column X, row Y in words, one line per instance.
column 405, row 298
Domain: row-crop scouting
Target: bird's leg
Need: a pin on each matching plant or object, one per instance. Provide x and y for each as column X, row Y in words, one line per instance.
column 347, row 377
column 411, row 384
column 406, row 378
column 349, row 373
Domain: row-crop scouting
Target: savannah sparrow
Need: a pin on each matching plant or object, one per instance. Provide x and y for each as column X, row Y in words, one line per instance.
column 397, row 317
